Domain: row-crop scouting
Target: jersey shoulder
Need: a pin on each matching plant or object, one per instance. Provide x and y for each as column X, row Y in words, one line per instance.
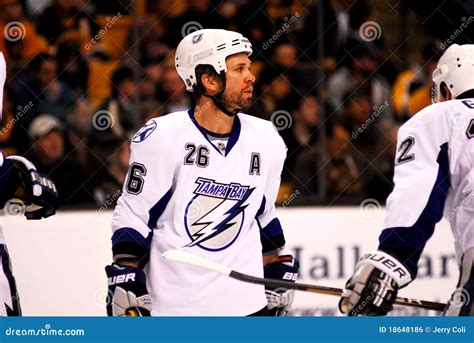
column 160, row 129
column 263, row 129
column 431, row 119
column 441, row 118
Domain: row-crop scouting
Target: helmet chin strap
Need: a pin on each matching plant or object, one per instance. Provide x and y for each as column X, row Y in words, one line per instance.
column 217, row 100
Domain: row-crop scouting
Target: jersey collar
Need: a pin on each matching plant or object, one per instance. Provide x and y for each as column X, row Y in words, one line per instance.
column 234, row 133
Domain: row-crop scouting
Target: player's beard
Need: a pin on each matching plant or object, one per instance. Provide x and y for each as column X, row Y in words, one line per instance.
column 242, row 102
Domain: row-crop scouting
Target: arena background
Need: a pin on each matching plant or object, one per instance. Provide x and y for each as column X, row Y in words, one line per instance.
column 337, row 79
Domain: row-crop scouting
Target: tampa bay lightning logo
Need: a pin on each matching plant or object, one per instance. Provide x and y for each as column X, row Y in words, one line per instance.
column 196, row 38
column 215, row 215
column 144, row 132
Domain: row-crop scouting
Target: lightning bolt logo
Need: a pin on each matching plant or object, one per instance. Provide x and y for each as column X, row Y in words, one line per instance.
column 211, row 222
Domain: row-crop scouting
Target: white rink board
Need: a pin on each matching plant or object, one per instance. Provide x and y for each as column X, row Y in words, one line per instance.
column 59, row 262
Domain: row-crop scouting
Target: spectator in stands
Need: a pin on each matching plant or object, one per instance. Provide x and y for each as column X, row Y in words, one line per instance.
column 379, row 174
column 173, row 94
column 19, row 41
column 198, row 11
column 151, row 109
column 73, row 66
column 259, row 22
column 39, row 91
column 48, row 155
column 370, row 142
column 64, row 17
column 79, row 128
column 341, row 22
column 301, row 133
column 360, row 119
column 122, row 103
column 273, row 93
column 284, row 61
column 360, row 73
column 110, row 164
column 412, row 87
column 336, row 162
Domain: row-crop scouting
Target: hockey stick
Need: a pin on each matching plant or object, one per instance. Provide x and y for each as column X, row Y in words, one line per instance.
column 190, row 258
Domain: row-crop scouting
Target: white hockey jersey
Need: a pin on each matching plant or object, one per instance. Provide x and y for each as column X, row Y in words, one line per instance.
column 434, row 175
column 182, row 191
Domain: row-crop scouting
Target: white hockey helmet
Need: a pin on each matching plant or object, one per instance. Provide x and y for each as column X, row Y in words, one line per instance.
column 456, row 69
column 208, row 46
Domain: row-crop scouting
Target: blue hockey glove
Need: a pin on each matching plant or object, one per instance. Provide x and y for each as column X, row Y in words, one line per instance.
column 280, row 299
column 128, row 295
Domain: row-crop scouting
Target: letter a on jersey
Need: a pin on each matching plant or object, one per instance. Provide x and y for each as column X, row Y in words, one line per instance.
column 254, row 164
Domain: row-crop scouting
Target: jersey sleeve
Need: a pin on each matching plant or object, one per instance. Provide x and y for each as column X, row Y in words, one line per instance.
column 145, row 194
column 421, row 185
column 9, row 180
column 271, row 232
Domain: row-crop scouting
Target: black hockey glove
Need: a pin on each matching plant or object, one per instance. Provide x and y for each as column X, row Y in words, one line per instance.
column 35, row 194
column 373, row 288
column 280, row 299
column 128, row 295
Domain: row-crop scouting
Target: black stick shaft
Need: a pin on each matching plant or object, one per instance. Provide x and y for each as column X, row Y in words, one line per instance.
column 429, row 305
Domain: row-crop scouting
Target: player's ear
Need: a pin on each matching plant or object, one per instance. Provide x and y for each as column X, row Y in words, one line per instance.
column 210, row 83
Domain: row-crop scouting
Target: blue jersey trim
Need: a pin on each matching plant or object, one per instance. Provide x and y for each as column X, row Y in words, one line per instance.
column 157, row 210
column 273, row 228
column 261, row 209
column 407, row 243
column 130, row 235
column 234, row 134
column 271, row 236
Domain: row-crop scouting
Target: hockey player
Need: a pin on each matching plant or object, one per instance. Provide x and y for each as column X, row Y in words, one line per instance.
column 433, row 174
column 33, row 193
column 206, row 180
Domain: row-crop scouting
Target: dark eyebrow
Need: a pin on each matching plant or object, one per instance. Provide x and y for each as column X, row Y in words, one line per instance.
column 242, row 64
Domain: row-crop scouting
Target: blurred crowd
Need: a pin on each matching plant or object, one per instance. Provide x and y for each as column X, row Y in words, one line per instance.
column 84, row 76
